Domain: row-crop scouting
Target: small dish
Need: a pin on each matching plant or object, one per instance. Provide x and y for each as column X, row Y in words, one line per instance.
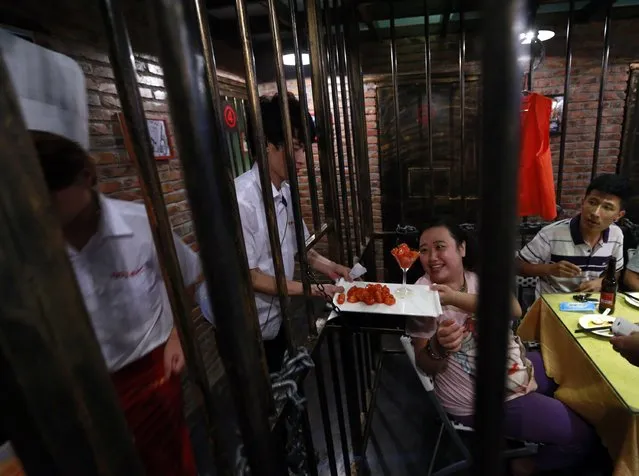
column 596, row 320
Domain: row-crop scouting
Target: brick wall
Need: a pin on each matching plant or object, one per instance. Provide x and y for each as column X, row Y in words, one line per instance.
column 117, row 174
column 548, row 79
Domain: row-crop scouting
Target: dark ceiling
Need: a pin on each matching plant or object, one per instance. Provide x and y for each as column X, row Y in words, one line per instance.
column 80, row 21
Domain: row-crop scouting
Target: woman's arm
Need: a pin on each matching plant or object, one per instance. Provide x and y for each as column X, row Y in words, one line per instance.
column 423, row 358
column 466, row 301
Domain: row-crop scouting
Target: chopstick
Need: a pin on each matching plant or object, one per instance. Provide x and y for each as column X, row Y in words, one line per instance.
column 627, row 294
column 592, row 329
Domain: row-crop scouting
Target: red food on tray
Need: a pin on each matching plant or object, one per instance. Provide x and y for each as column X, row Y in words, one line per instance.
column 369, row 295
column 404, row 255
column 341, row 298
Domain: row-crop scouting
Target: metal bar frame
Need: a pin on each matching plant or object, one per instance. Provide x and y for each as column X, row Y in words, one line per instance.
column 339, row 406
column 502, row 23
column 63, row 414
column 564, row 113
column 195, row 104
column 331, row 53
column 340, row 52
column 324, row 130
column 429, row 98
column 393, row 59
column 462, row 103
column 308, row 140
column 605, row 55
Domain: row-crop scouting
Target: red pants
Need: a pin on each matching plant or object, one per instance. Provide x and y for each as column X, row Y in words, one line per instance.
column 153, row 408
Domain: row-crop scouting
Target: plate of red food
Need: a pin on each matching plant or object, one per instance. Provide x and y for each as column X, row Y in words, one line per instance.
column 380, row 298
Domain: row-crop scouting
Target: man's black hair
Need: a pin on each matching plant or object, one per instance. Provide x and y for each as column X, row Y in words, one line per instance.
column 61, row 159
column 611, row 184
column 273, row 122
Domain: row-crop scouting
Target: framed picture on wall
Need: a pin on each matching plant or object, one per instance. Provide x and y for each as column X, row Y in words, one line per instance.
column 556, row 113
column 159, row 133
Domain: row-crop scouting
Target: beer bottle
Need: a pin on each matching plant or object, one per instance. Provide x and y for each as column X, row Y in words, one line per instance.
column 609, row 288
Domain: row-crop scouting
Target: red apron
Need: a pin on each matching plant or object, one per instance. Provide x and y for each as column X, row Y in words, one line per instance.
column 153, row 408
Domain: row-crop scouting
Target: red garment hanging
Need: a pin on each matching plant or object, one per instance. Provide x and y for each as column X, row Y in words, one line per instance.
column 536, row 179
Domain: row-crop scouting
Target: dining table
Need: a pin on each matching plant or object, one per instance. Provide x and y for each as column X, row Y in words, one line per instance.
column 593, row 379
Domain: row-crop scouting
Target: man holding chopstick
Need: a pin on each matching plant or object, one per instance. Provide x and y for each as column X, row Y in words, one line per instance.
column 571, row 255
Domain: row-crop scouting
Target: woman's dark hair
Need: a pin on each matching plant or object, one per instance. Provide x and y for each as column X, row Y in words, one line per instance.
column 459, row 234
column 273, row 121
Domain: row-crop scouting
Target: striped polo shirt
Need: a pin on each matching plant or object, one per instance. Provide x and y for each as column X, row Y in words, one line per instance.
column 563, row 241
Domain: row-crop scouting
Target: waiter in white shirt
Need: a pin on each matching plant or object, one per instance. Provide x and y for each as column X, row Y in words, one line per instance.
column 254, row 227
column 111, row 249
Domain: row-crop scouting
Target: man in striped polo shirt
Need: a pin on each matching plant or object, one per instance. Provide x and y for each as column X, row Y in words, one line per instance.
column 571, row 255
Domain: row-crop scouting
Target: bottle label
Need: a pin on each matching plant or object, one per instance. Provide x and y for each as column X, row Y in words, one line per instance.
column 607, row 299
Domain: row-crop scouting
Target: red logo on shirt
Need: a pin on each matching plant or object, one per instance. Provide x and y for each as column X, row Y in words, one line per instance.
column 126, row 274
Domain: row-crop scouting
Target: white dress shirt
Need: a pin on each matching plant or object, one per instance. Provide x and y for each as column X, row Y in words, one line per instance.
column 256, row 239
column 121, row 281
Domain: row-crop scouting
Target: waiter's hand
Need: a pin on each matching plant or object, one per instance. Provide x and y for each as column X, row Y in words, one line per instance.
column 565, row 269
column 329, row 289
column 173, row 356
column 340, row 271
column 592, row 286
column 628, row 347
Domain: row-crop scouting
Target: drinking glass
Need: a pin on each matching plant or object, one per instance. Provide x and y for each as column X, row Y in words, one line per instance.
column 405, row 258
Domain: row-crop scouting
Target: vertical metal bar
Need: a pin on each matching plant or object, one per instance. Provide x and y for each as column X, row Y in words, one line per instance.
column 324, row 131
column 564, row 113
column 393, row 54
column 262, row 162
column 462, row 100
column 346, row 350
column 57, row 403
column 502, row 25
column 332, row 69
column 199, row 132
column 121, row 56
column 429, row 98
column 531, row 63
column 358, row 111
column 324, row 411
column 359, row 352
column 290, row 163
column 339, row 406
column 308, row 140
column 602, row 88
column 341, row 67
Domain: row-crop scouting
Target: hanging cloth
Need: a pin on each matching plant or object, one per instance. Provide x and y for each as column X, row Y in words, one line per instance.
column 536, row 179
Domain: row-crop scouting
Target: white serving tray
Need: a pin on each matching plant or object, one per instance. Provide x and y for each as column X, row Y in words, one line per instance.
column 421, row 301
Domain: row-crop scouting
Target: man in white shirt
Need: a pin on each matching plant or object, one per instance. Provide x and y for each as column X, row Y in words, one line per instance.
column 254, row 227
column 111, row 249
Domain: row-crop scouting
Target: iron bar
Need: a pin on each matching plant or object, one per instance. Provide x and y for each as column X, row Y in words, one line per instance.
column 121, row 57
column 307, row 434
column 349, row 370
column 261, row 158
column 361, row 373
column 462, row 100
column 292, row 172
column 345, row 93
column 59, row 407
column 502, row 25
column 195, row 101
column 325, row 413
column 308, row 140
column 339, row 406
column 368, row 426
column 429, row 98
column 318, row 235
column 531, row 62
column 393, row 54
column 564, row 112
column 331, row 51
column 364, row 360
column 358, row 111
column 602, row 88
column 324, row 131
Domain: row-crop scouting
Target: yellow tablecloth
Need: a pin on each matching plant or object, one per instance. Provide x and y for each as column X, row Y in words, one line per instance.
column 594, row 380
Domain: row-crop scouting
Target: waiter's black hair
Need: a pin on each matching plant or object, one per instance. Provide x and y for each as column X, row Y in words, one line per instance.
column 62, row 160
column 273, row 122
column 611, row 184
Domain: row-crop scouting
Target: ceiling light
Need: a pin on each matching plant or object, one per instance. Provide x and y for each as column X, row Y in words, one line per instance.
column 542, row 35
column 289, row 59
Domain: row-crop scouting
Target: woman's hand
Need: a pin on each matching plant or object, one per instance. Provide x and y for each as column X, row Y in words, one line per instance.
column 446, row 295
column 449, row 336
